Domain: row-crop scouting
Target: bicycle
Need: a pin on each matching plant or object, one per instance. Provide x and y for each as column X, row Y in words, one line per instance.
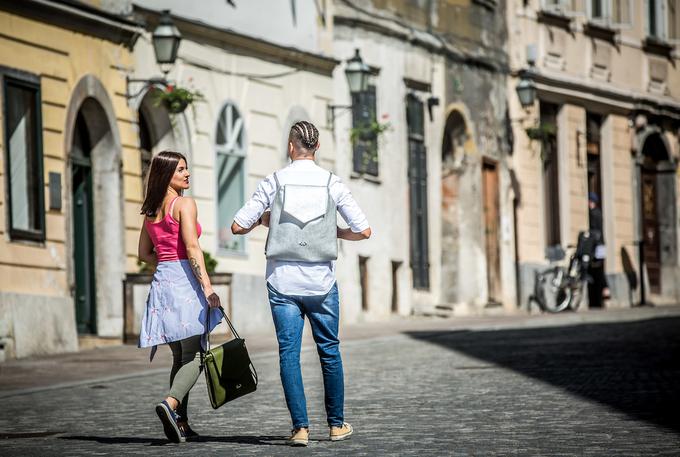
column 558, row 288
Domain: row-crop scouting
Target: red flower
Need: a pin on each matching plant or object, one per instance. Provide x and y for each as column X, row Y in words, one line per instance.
column 170, row 88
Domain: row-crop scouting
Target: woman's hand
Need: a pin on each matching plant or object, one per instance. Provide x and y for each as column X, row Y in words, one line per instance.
column 213, row 298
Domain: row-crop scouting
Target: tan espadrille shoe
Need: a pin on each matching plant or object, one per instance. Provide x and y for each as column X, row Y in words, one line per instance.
column 341, row 433
column 299, row 437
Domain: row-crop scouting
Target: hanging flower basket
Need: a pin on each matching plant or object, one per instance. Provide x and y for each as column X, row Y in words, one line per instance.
column 176, row 99
column 545, row 134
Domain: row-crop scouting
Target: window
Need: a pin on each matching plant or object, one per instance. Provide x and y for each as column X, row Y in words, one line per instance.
column 551, row 174
column 230, row 145
column 674, row 20
column 663, row 19
column 364, row 138
column 23, row 146
column 559, row 6
column 417, row 178
column 613, row 13
column 654, row 15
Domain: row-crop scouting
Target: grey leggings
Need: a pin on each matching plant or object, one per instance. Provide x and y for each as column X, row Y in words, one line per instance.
column 186, row 366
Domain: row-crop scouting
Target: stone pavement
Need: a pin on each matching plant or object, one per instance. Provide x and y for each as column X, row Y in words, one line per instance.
column 593, row 383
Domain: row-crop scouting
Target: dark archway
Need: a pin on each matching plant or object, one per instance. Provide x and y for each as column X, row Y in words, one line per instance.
column 156, row 131
column 453, row 143
column 657, row 214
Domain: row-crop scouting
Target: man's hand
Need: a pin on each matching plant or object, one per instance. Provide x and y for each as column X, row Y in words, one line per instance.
column 349, row 235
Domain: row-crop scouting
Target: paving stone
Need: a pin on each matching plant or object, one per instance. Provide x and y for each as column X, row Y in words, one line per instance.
column 591, row 389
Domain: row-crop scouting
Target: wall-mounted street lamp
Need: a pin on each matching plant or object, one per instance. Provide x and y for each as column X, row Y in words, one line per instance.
column 357, row 73
column 165, row 39
column 526, row 91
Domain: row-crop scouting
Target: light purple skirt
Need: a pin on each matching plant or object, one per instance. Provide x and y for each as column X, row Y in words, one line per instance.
column 176, row 307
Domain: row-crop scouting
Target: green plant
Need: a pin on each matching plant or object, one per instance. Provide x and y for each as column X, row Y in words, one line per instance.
column 369, row 134
column 545, row 134
column 368, row 131
column 210, row 262
column 144, row 267
column 176, row 99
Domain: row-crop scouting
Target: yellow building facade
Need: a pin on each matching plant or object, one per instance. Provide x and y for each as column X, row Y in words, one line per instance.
column 68, row 145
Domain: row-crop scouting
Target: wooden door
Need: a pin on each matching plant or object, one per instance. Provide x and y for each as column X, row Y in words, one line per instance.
column 83, row 230
column 650, row 230
column 492, row 229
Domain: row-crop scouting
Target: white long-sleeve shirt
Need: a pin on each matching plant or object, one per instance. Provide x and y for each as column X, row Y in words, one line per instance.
column 302, row 278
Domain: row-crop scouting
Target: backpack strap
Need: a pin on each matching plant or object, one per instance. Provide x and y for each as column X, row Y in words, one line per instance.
column 330, row 175
column 278, row 185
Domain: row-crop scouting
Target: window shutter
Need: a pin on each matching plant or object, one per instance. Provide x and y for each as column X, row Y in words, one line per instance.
column 365, row 148
column 674, row 20
column 621, row 13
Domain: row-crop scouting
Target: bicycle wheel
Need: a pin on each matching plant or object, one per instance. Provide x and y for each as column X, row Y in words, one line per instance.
column 553, row 293
column 578, row 285
column 577, row 295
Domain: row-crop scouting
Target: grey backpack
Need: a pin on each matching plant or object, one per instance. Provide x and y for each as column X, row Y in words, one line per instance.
column 303, row 224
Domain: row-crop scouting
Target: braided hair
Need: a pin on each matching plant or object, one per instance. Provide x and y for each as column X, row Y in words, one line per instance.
column 303, row 134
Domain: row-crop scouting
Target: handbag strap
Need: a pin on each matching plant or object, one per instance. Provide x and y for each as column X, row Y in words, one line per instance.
column 207, row 329
column 233, row 330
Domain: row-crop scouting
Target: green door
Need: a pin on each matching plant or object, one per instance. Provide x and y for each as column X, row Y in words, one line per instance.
column 83, row 233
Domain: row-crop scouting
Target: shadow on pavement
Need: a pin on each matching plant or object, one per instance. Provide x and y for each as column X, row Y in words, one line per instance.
column 633, row 367
column 244, row 439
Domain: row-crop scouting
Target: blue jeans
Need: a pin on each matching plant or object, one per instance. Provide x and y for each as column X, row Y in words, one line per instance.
column 323, row 311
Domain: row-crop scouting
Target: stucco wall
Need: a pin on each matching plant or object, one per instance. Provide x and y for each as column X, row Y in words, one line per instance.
column 38, row 275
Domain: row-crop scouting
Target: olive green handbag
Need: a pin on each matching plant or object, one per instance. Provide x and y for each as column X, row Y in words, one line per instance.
column 229, row 373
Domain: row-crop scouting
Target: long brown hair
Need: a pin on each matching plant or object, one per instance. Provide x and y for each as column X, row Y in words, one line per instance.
column 162, row 168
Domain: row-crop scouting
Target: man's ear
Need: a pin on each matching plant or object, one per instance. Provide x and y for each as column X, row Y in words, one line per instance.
column 318, row 145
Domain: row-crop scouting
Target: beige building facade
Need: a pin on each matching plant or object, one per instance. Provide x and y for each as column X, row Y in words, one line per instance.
column 607, row 114
column 256, row 83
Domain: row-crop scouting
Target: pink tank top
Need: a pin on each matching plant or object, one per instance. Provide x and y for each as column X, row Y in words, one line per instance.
column 166, row 237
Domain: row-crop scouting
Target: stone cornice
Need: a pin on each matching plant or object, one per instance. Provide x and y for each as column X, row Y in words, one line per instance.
column 422, row 39
column 622, row 100
column 77, row 17
column 241, row 44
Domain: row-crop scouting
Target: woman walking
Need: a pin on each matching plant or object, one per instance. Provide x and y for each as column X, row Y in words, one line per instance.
column 181, row 293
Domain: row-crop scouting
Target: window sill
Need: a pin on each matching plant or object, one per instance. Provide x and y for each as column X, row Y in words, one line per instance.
column 37, row 243
column 366, row 177
column 221, row 252
column 555, row 17
column 600, row 30
column 658, row 46
column 488, row 4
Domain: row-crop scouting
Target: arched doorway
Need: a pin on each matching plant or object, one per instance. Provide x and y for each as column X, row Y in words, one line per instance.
column 156, row 132
column 230, row 170
column 83, row 228
column 657, row 218
column 95, row 229
column 453, row 152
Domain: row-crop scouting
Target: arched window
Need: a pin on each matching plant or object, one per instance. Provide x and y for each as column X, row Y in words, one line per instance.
column 230, row 145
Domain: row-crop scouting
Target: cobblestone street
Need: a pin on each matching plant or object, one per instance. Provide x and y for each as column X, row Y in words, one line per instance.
column 602, row 387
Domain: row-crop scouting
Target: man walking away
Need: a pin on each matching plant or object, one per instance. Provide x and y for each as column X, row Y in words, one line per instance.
column 301, row 252
column 598, row 289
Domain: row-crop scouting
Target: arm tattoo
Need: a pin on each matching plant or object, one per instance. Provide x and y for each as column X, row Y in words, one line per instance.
column 196, row 267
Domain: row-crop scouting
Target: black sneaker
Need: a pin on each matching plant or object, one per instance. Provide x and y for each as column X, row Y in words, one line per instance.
column 169, row 420
column 187, row 433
